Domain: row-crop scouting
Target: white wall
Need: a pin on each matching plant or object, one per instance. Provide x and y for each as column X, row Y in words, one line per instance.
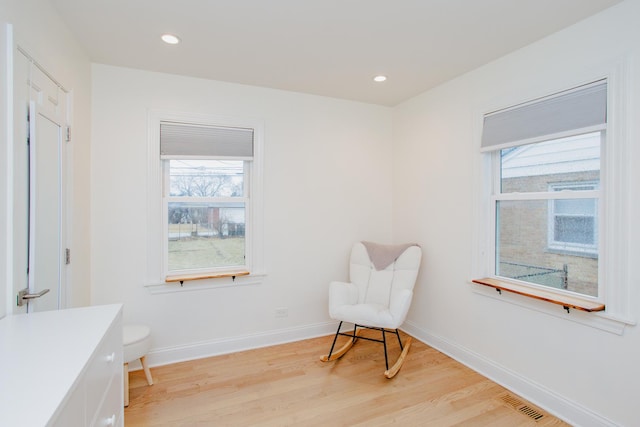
column 327, row 183
column 5, row 174
column 585, row 374
column 38, row 29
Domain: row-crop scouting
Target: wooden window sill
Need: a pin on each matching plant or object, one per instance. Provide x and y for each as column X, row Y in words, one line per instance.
column 189, row 277
column 566, row 301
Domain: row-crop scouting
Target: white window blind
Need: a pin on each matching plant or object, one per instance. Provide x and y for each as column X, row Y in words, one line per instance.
column 192, row 140
column 584, row 107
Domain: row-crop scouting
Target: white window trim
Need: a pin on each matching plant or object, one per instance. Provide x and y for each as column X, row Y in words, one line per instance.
column 155, row 266
column 614, row 258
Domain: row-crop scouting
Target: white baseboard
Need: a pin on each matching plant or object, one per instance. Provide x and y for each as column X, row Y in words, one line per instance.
column 168, row 355
column 537, row 394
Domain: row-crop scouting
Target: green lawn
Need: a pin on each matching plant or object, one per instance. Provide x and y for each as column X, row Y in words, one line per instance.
column 205, row 252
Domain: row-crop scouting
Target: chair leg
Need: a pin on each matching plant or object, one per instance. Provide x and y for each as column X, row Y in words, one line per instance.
column 335, row 338
column 125, row 376
column 399, row 340
column 342, row 350
column 389, row 372
column 384, row 343
column 147, row 372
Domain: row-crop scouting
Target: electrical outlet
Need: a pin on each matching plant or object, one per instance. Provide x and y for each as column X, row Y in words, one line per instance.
column 282, row 312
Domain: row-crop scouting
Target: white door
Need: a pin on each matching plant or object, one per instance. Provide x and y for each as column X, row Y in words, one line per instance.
column 45, row 211
column 40, row 108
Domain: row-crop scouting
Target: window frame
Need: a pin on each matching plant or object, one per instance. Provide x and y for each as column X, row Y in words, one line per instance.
column 167, row 198
column 497, row 196
column 158, row 277
column 614, row 257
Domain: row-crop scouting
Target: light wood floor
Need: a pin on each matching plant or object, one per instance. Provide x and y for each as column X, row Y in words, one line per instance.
column 287, row 385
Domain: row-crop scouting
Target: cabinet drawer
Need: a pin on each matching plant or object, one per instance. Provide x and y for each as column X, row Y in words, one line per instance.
column 110, row 414
column 105, row 365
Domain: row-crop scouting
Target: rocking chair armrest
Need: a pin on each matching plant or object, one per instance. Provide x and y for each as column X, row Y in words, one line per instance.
column 399, row 305
column 342, row 293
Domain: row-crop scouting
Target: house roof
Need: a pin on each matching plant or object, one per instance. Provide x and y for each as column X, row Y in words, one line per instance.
column 574, row 154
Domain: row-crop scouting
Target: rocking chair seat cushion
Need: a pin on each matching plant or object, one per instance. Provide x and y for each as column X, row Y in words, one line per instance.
column 344, row 306
column 364, row 314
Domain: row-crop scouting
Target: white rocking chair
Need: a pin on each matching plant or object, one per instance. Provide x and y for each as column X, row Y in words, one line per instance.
column 378, row 296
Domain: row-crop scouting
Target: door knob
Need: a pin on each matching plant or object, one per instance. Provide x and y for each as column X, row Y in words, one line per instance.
column 25, row 296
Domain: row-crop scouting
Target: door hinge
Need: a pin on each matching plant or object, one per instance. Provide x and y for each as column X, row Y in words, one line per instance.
column 68, row 137
column 67, row 256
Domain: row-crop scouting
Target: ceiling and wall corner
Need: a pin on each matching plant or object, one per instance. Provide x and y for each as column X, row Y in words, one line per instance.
column 331, row 48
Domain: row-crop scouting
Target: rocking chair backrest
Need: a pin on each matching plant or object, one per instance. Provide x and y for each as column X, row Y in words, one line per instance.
column 381, row 286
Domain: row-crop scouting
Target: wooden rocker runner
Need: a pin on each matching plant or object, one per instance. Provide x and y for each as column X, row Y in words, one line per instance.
column 389, row 373
column 378, row 296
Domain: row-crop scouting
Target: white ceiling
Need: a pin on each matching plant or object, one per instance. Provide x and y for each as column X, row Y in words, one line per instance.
column 324, row 47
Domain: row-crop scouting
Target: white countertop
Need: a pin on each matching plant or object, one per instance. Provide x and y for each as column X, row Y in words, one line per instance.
column 41, row 357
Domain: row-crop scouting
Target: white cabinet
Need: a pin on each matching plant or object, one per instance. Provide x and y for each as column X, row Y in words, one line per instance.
column 62, row 368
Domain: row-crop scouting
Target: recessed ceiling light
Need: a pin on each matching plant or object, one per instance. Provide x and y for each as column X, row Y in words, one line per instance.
column 170, row 39
column 379, row 78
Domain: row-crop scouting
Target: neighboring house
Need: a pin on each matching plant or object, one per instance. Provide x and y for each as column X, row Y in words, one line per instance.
column 207, row 221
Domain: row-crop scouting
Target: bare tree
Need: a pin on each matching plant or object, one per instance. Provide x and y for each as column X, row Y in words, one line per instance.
column 204, row 185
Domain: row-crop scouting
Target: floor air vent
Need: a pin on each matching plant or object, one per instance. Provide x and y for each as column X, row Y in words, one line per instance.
column 522, row 407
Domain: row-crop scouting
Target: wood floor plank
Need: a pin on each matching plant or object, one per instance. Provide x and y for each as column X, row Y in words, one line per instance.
column 288, row 385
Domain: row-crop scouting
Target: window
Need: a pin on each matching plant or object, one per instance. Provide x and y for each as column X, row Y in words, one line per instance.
column 546, row 211
column 205, row 220
column 206, row 206
column 206, row 196
column 573, row 224
column 589, row 214
column 546, row 158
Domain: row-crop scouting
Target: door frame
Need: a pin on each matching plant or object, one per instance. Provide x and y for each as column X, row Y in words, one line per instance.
column 25, row 91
